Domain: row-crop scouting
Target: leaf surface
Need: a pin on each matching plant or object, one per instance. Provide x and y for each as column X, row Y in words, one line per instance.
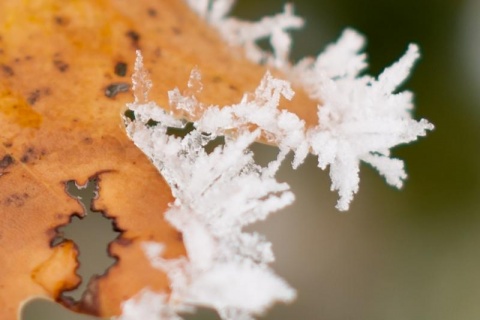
column 65, row 70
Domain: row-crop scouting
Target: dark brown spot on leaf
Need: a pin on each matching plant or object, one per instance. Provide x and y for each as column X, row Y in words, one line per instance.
column 180, row 236
column 28, row 155
column 134, row 37
column 88, row 140
column 61, row 21
column 121, row 69
column 152, row 12
column 16, row 199
column 115, row 88
column 123, row 242
column 7, row 70
column 6, row 161
column 33, row 97
column 61, row 66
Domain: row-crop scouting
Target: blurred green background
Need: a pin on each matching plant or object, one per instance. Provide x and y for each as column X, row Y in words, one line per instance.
column 409, row 254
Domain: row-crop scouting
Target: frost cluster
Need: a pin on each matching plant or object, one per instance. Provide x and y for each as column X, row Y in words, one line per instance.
column 361, row 117
column 219, row 191
column 217, row 194
column 246, row 34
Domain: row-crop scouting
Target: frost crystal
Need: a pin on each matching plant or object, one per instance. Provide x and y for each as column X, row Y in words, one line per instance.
column 218, row 192
column 150, row 306
column 361, row 118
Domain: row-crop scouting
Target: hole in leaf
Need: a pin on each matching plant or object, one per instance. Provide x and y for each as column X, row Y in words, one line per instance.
column 202, row 314
column 151, row 123
column 130, row 114
column 41, row 309
column 91, row 233
column 189, row 127
column 263, row 154
column 181, row 132
column 264, row 44
column 214, row 143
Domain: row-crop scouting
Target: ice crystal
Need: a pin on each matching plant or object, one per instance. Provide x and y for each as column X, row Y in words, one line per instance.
column 362, row 118
column 150, row 306
column 217, row 193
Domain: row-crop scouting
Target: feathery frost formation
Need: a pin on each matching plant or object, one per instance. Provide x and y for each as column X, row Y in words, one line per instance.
column 362, row 118
column 217, row 193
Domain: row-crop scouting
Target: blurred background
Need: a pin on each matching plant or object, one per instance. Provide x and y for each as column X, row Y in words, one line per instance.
column 411, row 254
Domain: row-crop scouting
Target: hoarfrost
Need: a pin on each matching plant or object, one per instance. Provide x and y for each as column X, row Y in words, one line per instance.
column 246, row 34
column 217, row 194
column 362, row 118
column 220, row 192
column 150, row 306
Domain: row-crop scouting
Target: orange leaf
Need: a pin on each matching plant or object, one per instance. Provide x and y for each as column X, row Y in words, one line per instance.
column 65, row 70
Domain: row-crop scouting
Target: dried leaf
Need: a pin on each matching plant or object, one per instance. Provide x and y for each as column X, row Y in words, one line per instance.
column 65, row 70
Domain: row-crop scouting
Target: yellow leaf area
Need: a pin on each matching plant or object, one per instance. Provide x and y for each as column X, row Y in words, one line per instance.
column 65, row 70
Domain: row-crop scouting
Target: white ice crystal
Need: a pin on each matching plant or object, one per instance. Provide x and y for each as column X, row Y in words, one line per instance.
column 245, row 34
column 361, row 118
column 218, row 192
column 150, row 306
